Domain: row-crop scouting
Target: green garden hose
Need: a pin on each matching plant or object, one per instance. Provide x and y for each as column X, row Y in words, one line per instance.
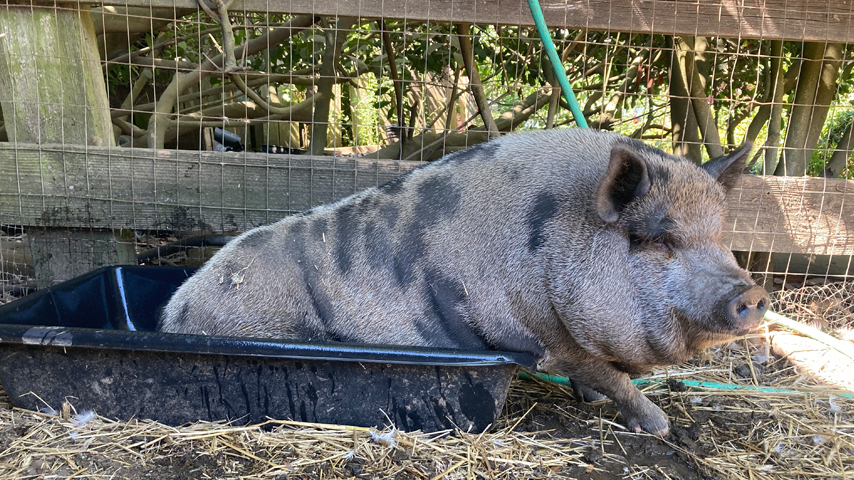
column 557, row 65
column 839, row 345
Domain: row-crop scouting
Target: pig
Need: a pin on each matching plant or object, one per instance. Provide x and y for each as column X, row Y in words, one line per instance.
column 593, row 252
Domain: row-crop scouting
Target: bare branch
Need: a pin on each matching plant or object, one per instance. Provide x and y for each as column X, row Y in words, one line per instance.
column 207, row 9
column 464, row 36
column 699, row 100
column 813, row 95
column 840, row 157
column 334, row 42
column 685, row 135
column 506, row 122
column 160, row 121
column 163, row 63
column 428, row 150
column 284, row 112
column 130, row 56
column 134, row 20
column 395, row 79
column 608, row 111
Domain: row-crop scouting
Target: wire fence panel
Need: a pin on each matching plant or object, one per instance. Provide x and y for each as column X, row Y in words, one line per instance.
column 151, row 132
column 131, row 124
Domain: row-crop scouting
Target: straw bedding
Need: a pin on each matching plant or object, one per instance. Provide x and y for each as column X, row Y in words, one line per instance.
column 542, row 433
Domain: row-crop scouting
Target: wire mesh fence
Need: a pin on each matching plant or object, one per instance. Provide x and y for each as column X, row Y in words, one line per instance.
column 256, row 113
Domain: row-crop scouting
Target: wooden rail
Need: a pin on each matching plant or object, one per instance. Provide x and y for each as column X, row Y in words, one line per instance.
column 98, row 187
column 813, row 20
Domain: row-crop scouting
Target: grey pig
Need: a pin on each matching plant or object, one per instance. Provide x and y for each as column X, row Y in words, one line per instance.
column 599, row 255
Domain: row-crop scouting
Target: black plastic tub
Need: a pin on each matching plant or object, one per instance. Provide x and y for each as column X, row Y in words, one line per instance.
column 92, row 341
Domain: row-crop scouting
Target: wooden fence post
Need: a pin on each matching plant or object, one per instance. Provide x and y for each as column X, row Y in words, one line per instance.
column 52, row 91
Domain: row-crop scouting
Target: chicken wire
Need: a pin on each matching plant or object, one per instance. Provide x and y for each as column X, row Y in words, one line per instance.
column 315, row 107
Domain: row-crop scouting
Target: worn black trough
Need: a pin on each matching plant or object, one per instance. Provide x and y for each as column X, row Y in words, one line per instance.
column 92, row 341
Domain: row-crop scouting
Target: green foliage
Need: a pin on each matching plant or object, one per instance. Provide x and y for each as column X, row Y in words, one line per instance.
column 831, row 134
column 512, row 66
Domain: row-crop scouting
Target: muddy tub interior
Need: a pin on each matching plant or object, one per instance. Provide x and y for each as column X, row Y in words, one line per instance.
column 92, row 342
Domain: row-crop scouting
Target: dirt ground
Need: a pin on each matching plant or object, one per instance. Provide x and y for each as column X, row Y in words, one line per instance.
column 542, row 433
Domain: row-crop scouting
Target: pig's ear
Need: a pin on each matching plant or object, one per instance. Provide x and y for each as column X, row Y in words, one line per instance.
column 626, row 180
column 726, row 169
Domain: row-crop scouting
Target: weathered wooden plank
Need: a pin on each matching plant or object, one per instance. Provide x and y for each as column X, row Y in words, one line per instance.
column 226, row 192
column 791, row 215
column 168, row 189
column 814, row 20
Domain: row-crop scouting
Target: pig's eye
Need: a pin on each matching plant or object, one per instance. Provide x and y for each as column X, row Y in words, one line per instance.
column 659, row 244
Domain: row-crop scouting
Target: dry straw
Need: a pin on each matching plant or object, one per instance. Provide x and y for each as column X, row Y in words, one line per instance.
column 542, row 433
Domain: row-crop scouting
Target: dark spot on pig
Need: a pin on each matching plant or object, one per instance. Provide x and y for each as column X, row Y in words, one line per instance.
column 395, row 186
column 318, row 228
column 444, row 325
column 378, row 234
column 321, row 304
column 346, row 232
column 378, row 245
column 296, row 229
column 438, row 199
column 184, row 317
column 477, row 404
column 513, row 174
column 306, row 213
column 484, row 150
column 366, row 206
column 389, row 213
column 403, row 262
column 294, row 243
column 311, row 279
column 544, row 209
column 256, row 239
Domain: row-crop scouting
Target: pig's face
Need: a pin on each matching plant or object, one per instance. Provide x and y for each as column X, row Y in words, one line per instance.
column 689, row 286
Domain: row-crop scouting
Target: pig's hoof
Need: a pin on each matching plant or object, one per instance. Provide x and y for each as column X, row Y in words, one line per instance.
column 585, row 393
column 653, row 421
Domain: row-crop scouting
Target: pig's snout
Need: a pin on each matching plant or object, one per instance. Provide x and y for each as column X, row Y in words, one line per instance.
column 747, row 307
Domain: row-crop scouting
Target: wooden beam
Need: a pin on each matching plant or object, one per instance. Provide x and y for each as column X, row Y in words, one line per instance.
column 172, row 189
column 226, row 192
column 791, row 215
column 814, row 20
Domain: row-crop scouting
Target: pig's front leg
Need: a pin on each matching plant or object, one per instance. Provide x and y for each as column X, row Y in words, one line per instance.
column 638, row 411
